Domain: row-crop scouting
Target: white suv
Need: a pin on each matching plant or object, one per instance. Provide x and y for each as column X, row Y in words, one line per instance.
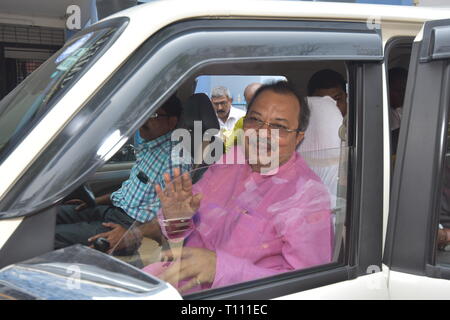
column 59, row 128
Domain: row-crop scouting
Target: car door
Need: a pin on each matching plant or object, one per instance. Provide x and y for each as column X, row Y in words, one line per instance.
column 418, row 268
column 185, row 49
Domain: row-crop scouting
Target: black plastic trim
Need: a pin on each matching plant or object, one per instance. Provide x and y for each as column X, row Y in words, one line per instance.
column 436, row 40
column 391, row 44
column 369, row 150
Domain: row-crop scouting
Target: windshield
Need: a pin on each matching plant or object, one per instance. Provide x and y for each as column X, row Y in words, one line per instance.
column 245, row 226
column 23, row 108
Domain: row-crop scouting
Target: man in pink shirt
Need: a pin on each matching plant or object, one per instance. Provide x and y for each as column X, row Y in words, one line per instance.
column 246, row 220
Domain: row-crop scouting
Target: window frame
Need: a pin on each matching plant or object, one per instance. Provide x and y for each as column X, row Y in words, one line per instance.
column 390, row 45
column 417, row 180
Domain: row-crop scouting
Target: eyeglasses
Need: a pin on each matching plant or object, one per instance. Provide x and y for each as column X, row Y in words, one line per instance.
column 157, row 115
column 252, row 122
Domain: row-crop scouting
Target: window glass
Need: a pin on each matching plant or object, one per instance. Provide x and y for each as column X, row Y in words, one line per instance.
column 235, row 83
column 126, row 153
column 246, row 227
column 398, row 59
column 443, row 238
column 247, row 224
column 34, row 97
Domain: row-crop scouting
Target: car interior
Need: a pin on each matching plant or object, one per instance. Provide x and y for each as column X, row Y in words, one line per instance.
column 109, row 177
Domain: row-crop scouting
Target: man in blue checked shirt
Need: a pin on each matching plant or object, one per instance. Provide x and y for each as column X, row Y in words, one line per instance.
column 136, row 200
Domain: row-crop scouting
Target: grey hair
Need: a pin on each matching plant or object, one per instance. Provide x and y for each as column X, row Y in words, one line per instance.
column 220, row 91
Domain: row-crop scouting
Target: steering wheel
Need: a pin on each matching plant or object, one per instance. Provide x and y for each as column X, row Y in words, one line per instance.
column 83, row 193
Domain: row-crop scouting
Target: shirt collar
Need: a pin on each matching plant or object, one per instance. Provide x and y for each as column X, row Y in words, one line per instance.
column 234, row 115
column 150, row 144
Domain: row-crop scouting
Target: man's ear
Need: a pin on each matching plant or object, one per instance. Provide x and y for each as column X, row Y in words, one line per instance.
column 299, row 138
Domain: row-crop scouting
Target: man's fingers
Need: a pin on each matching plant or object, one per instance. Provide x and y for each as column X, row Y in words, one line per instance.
column 111, row 225
column 175, row 254
column 100, row 235
column 176, row 180
column 195, row 202
column 80, row 207
column 159, row 192
column 190, row 284
column 176, row 173
column 172, row 273
column 176, row 272
column 169, row 255
column 169, row 186
column 186, row 182
column 165, row 256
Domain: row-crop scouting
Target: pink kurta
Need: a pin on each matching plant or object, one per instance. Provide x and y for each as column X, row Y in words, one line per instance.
column 261, row 225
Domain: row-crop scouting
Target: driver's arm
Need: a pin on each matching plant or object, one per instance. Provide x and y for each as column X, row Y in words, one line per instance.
column 150, row 230
column 104, row 200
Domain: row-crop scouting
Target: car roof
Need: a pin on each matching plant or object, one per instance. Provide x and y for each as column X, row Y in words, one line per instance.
column 148, row 18
column 163, row 12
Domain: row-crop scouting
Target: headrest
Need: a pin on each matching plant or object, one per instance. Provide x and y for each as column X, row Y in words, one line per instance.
column 324, row 123
column 198, row 107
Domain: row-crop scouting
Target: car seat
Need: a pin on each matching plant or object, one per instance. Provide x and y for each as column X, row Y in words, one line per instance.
column 326, row 154
column 198, row 107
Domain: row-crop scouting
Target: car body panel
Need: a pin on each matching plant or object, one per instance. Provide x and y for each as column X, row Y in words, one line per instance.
column 369, row 287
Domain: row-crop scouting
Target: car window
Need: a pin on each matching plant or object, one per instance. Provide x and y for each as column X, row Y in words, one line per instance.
column 282, row 224
column 255, row 226
column 443, row 237
column 398, row 54
column 235, row 83
column 126, row 153
column 34, row 97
